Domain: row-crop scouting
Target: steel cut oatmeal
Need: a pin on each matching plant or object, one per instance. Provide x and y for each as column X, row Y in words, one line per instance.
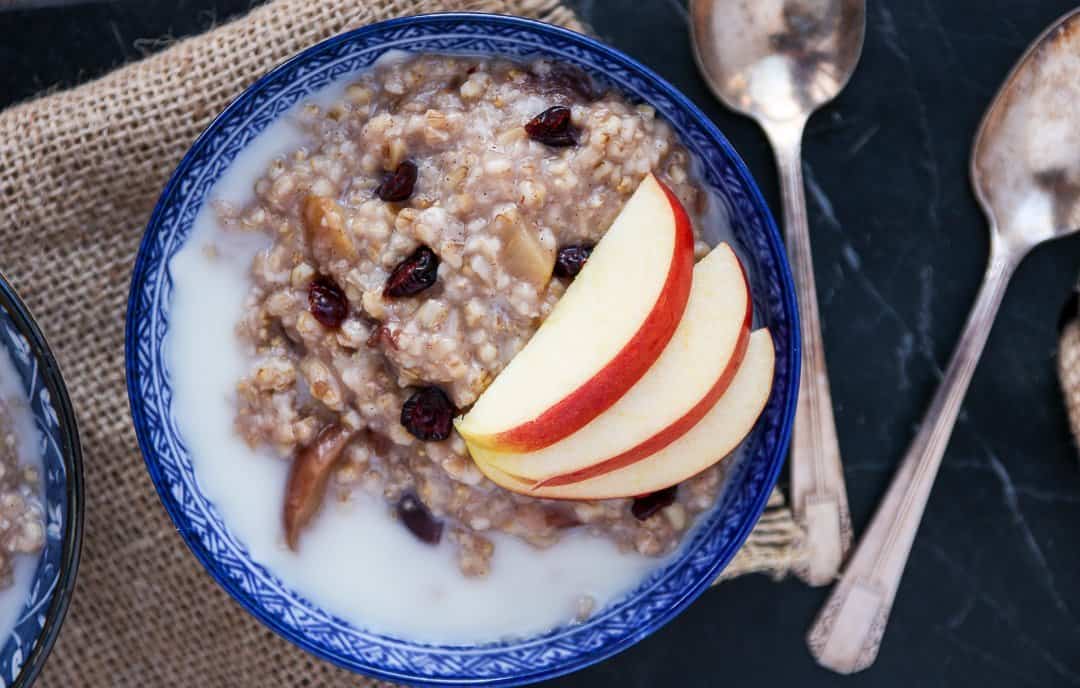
column 436, row 217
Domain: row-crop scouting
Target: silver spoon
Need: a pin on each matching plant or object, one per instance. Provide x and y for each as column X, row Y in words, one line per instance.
column 1026, row 172
column 777, row 61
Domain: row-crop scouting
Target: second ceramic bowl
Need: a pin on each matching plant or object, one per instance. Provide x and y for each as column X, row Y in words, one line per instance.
column 23, row 652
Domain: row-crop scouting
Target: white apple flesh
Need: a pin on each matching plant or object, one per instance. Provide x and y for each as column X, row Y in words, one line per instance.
column 606, row 331
column 714, row 437
column 682, row 385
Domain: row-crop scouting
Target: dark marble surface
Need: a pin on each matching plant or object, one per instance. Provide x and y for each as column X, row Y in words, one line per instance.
column 992, row 592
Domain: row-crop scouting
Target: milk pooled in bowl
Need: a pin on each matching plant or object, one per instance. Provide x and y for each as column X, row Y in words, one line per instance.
column 246, row 357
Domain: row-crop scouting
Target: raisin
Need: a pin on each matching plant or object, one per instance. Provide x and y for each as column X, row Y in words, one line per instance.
column 552, row 127
column 570, row 259
column 327, row 302
column 428, row 414
column 418, row 519
column 414, row 274
column 649, row 504
column 398, row 185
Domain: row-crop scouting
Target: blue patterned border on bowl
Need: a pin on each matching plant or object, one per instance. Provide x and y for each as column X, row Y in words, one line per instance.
column 24, row 651
column 564, row 649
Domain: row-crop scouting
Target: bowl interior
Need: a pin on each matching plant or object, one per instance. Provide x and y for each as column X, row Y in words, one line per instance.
column 719, row 533
column 24, row 650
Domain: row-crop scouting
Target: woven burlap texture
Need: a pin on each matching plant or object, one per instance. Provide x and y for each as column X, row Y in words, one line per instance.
column 79, row 173
column 1069, row 371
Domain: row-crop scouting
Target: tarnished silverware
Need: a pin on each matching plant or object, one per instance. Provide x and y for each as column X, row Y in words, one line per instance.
column 777, row 61
column 1026, row 172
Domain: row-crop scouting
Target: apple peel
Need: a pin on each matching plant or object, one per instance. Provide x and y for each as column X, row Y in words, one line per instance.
column 627, row 300
column 713, row 438
column 682, row 385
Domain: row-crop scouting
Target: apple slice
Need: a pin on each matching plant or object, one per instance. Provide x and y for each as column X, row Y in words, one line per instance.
column 682, row 385
column 611, row 324
column 308, row 476
column 713, row 438
column 526, row 258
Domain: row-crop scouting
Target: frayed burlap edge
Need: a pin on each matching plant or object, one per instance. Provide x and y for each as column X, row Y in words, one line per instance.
column 774, row 547
column 79, row 173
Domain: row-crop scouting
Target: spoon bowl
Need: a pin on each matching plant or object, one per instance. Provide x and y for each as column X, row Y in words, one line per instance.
column 1025, row 166
column 778, row 60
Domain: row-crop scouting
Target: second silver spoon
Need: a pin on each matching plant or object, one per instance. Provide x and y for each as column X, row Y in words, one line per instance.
column 777, row 61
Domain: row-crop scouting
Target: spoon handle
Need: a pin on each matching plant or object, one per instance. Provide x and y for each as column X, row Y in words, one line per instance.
column 847, row 633
column 818, row 493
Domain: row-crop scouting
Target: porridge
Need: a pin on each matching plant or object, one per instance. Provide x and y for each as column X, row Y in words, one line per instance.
column 382, row 253
column 22, row 514
column 412, row 259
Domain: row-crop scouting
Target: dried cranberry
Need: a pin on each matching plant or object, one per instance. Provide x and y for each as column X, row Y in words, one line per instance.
column 327, row 302
column 418, row 519
column 552, row 127
column 649, row 504
column 428, row 414
column 414, row 274
column 398, row 185
column 570, row 259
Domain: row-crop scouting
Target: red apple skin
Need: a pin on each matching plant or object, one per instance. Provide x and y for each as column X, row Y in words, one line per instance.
column 679, row 427
column 662, row 436
column 508, row 481
column 521, row 485
column 603, row 389
column 676, row 429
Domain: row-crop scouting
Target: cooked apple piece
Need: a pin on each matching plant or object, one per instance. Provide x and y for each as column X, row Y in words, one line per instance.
column 525, row 257
column 308, row 476
column 324, row 223
column 714, row 437
column 682, row 385
column 608, row 328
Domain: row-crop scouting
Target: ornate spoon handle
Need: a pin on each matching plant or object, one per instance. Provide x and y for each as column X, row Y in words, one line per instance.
column 818, row 493
column 847, row 633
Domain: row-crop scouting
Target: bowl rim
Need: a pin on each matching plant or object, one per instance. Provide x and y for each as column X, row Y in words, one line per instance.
column 50, row 372
column 787, row 289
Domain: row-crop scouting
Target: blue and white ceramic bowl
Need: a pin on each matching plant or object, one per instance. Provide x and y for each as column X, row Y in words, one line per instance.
column 23, row 652
column 655, row 601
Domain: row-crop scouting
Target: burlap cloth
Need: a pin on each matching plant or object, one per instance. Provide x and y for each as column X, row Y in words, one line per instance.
column 1069, row 367
column 79, row 173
